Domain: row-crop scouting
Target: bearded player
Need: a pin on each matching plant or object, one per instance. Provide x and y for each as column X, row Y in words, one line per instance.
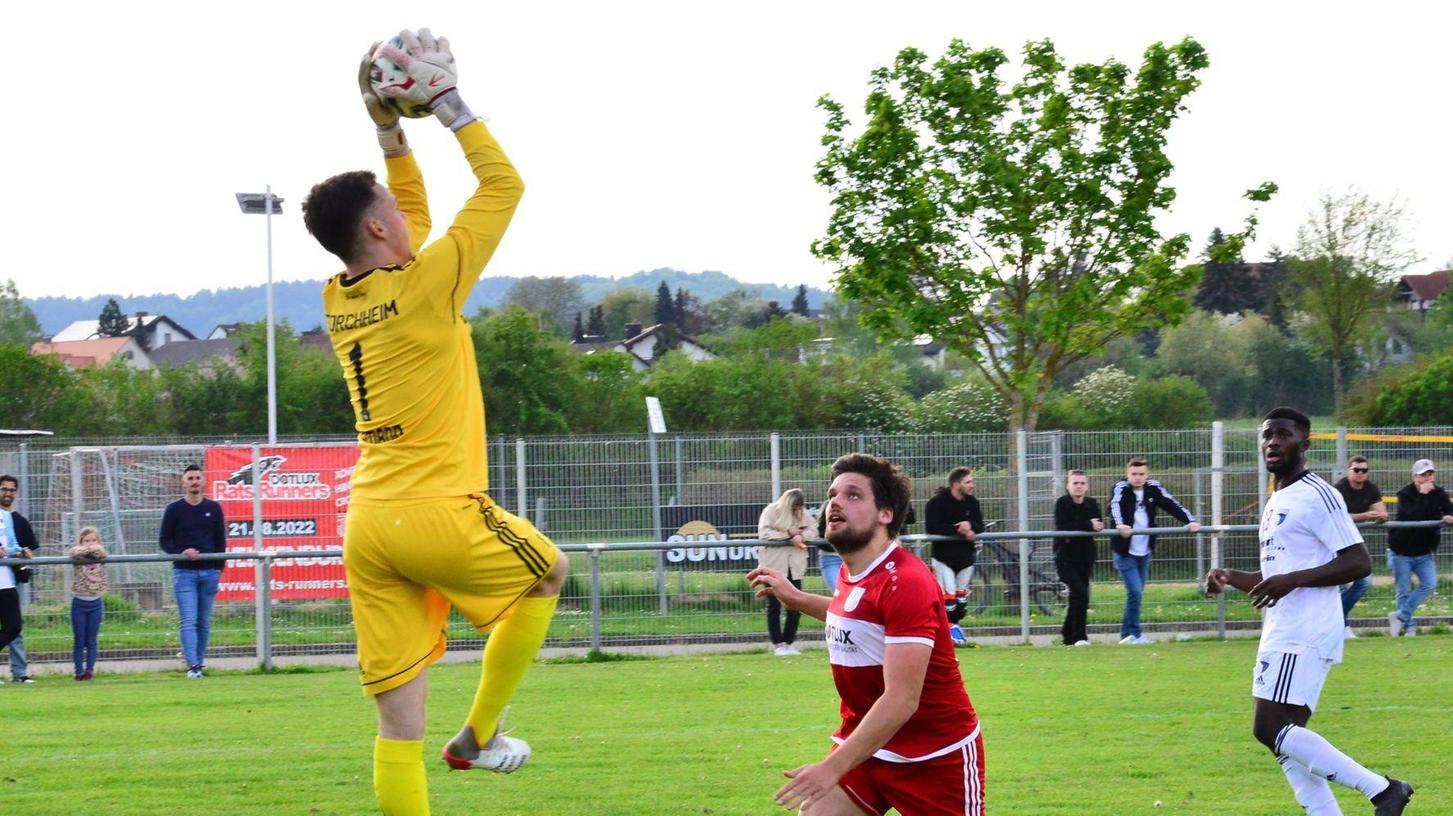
column 421, row 533
column 909, row 738
column 1309, row 548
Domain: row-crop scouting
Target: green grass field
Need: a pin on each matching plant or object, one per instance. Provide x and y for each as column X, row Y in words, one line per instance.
column 1106, row 730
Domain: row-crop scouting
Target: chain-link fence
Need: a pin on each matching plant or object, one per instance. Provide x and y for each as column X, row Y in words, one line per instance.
column 613, row 490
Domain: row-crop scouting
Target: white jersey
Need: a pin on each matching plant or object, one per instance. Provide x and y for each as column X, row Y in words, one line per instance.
column 1304, row 526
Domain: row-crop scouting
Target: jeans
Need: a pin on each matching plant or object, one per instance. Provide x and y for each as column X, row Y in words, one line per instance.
column 830, row 564
column 195, row 590
column 85, row 630
column 1404, row 567
column 1134, row 570
column 19, row 667
column 774, row 618
column 1352, row 593
column 1076, row 576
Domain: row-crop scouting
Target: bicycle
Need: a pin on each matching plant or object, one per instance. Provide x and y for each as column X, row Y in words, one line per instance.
column 1046, row 592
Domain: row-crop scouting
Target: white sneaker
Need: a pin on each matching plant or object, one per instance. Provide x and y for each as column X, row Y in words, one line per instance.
column 1128, row 640
column 1082, row 643
column 789, row 649
column 1143, row 640
column 1348, row 634
column 1410, row 632
column 1394, row 624
column 503, row 753
column 782, row 651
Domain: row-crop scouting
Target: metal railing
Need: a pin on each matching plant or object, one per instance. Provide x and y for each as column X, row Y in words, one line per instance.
column 597, row 596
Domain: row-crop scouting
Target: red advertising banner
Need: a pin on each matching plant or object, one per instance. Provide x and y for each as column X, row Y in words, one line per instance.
column 304, row 502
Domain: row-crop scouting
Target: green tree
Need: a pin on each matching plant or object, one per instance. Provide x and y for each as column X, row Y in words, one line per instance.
column 1014, row 225
column 1347, row 252
column 611, row 398
column 665, row 305
column 596, row 326
column 1213, row 353
column 33, row 389
column 18, row 323
column 690, row 317
column 112, row 322
column 204, row 399
column 530, row 378
column 799, row 302
column 553, row 299
column 623, row 306
column 1225, row 284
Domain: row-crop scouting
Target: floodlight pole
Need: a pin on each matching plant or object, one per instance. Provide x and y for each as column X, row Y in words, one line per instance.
column 271, row 344
column 251, row 205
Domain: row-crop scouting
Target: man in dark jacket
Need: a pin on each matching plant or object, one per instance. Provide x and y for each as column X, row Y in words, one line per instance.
column 1410, row 551
column 953, row 511
column 17, row 540
column 1075, row 557
column 192, row 526
column 1133, row 503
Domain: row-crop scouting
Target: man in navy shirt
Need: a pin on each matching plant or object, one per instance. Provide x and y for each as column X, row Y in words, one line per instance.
column 192, row 526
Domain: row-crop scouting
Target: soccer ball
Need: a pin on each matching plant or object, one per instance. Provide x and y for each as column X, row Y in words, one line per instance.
column 386, row 73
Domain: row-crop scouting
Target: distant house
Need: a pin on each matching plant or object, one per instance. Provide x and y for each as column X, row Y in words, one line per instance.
column 1418, row 292
column 224, row 330
column 220, row 351
column 646, row 345
column 96, row 353
column 316, row 340
column 152, row 331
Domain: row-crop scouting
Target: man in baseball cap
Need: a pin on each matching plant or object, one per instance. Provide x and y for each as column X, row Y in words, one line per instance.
column 1410, row 550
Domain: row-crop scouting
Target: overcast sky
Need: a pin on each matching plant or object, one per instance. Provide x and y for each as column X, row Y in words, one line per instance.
column 678, row 134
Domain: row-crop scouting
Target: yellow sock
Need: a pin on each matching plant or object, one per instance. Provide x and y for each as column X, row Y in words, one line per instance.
column 511, row 648
column 398, row 777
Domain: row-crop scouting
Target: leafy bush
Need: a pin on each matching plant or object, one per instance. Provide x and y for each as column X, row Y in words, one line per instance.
column 1170, row 402
column 1105, row 396
column 1421, row 394
column 969, row 407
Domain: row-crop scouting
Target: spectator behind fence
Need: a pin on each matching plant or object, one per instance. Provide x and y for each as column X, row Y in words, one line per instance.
column 191, row 526
column 954, row 511
column 1133, row 503
column 17, row 540
column 88, row 586
column 1410, row 551
column 788, row 521
column 1074, row 558
column 1364, row 503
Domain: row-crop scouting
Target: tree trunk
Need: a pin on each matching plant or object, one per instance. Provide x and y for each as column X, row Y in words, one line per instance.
column 1337, row 385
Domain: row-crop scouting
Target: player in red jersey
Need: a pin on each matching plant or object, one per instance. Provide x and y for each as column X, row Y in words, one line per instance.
column 909, row 738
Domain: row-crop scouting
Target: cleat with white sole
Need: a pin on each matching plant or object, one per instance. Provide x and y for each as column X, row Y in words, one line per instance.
column 503, row 753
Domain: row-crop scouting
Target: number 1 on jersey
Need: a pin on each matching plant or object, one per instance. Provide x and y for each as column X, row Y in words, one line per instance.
column 356, row 358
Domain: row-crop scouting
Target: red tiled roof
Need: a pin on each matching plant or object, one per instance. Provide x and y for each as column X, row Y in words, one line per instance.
column 1429, row 286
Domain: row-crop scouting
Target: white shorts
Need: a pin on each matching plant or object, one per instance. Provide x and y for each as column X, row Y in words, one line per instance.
column 1294, row 679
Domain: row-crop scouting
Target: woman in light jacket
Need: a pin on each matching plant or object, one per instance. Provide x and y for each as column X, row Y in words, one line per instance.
column 788, row 521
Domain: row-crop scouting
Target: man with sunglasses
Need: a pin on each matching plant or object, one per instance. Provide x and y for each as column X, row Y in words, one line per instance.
column 1364, row 503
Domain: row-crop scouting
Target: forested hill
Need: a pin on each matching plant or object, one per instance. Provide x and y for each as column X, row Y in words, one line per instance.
column 300, row 303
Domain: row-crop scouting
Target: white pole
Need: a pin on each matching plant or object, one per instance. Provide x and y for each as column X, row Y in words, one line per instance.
column 271, row 351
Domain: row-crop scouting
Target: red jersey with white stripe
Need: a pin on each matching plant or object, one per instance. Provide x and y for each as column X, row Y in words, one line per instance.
column 897, row 600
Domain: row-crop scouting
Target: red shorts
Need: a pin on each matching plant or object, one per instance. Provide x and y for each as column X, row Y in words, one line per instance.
column 951, row 785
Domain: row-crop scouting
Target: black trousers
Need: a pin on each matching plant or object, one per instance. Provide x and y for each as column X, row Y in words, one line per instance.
column 774, row 618
column 1076, row 576
column 9, row 615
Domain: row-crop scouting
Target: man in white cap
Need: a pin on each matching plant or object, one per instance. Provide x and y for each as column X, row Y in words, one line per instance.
column 1410, row 550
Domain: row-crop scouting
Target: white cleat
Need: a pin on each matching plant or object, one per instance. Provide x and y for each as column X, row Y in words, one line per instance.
column 503, row 753
column 1082, row 643
column 1394, row 624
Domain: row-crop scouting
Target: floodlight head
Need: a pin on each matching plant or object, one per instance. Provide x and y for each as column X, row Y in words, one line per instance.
column 256, row 203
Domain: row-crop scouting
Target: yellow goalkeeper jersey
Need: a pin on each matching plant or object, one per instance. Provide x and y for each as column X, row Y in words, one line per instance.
column 405, row 347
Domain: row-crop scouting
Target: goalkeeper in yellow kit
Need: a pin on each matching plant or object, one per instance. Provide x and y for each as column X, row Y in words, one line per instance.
column 421, row 534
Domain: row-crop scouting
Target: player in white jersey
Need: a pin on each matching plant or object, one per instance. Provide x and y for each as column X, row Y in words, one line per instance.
column 1309, row 547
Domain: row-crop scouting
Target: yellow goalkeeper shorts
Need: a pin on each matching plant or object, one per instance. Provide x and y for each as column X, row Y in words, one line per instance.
column 408, row 564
